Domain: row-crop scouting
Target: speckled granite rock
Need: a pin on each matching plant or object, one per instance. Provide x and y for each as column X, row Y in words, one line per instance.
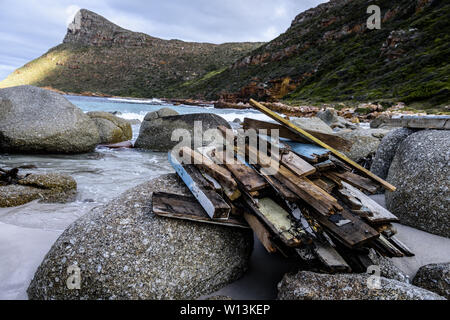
column 157, row 128
column 365, row 142
column 434, row 277
column 421, row 173
column 313, row 124
column 49, row 187
column 387, row 149
column 112, row 129
column 314, row 286
column 37, row 120
column 388, row 269
column 124, row 251
column 331, row 118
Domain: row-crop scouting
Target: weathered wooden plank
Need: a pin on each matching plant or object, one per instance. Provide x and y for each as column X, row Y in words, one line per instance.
column 261, row 232
column 248, row 177
column 324, row 166
column 324, row 184
column 210, row 200
column 389, row 247
column 281, row 189
column 350, row 230
column 188, row 208
column 421, row 122
column 401, row 246
column 297, row 165
column 331, row 259
column 357, row 181
column 305, row 134
column 332, row 140
column 309, row 152
column 375, row 213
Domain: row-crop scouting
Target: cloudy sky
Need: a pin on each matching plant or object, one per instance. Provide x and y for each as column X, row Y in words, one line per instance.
column 28, row 28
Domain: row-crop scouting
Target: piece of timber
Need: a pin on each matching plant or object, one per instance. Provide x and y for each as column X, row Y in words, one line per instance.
column 297, row 165
column 326, row 185
column 223, row 190
column 217, row 172
column 376, row 213
column 309, row 152
column 401, row 246
column 211, row 201
column 187, row 208
column 281, row 189
column 277, row 220
column 389, row 247
column 421, row 122
column 324, row 166
column 247, row 176
column 357, row 181
column 261, row 232
column 332, row 140
column 305, row 134
column 330, row 258
column 353, row 234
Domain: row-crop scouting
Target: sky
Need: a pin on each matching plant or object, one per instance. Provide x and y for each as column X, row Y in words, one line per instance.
column 29, row 28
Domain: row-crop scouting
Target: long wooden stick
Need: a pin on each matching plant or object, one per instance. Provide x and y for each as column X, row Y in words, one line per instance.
column 302, row 132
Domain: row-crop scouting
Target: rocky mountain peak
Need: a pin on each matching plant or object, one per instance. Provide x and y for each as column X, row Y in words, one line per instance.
column 91, row 29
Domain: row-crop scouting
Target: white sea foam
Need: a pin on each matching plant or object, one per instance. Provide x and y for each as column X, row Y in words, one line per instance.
column 141, row 101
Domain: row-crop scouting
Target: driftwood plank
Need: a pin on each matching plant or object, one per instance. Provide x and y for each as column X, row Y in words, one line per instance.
column 248, row 177
column 187, row 208
column 305, row 134
column 357, row 181
column 375, row 213
column 331, row 258
column 389, row 247
column 211, row 201
column 332, row 140
column 309, row 152
column 217, row 172
column 297, row 165
column 401, row 246
column 261, row 232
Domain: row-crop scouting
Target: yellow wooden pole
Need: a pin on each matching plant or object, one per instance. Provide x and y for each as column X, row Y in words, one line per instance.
column 305, row 134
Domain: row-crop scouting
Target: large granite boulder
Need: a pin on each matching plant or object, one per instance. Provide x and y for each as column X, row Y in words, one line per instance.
column 421, row 172
column 41, row 121
column 314, row 286
column 331, row 118
column 365, row 142
column 158, row 127
column 50, row 187
column 112, row 129
column 124, row 251
column 387, row 149
column 387, row 267
column 434, row 277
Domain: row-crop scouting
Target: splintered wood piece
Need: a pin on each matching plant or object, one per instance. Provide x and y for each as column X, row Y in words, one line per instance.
column 324, row 166
column 187, row 208
column 247, row 176
column 217, row 172
column 401, row 246
column 310, row 137
column 325, row 184
column 297, row 165
column 261, row 232
column 214, row 205
column 375, row 213
column 352, row 234
column 332, row 140
column 331, row 259
column 357, row 181
column 389, row 247
column 281, row 189
column 277, row 220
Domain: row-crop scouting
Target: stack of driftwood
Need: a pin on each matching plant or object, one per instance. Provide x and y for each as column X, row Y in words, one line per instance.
column 314, row 206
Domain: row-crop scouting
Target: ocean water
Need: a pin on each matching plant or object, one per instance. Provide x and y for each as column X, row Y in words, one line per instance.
column 28, row 232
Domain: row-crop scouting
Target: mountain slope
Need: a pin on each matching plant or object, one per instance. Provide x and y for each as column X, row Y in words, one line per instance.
column 99, row 56
column 328, row 55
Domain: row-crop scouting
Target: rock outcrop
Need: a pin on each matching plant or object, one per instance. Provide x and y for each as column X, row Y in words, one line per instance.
column 112, row 129
column 387, row 149
column 421, row 172
column 41, row 121
column 314, row 286
column 365, row 142
column 158, row 127
column 435, row 278
column 124, row 251
column 50, row 187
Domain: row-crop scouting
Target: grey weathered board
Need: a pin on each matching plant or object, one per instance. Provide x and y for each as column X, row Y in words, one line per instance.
column 421, row 122
column 187, row 208
column 331, row 258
